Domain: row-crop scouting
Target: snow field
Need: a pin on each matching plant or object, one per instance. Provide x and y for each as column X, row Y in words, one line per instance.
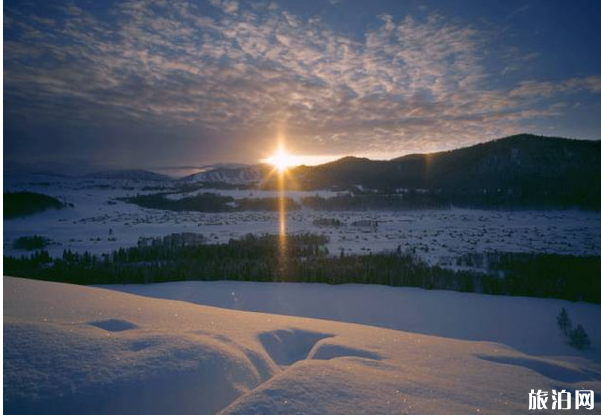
column 73, row 349
column 437, row 236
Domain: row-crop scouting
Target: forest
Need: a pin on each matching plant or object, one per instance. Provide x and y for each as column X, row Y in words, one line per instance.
column 209, row 202
column 17, row 204
column 360, row 200
column 305, row 258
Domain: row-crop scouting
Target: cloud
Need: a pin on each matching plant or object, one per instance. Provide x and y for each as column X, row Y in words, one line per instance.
column 228, row 6
column 234, row 70
column 532, row 89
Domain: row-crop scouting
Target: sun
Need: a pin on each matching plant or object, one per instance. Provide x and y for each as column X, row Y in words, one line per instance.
column 281, row 160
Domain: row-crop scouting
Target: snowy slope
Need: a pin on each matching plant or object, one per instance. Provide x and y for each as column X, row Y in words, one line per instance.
column 72, row 350
column 526, row 324
column 230, row 175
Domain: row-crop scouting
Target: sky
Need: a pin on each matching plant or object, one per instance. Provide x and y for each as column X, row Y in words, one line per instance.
column 158, row 84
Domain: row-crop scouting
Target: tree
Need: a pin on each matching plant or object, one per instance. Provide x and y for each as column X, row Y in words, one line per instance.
column 564, row 322
column 579, row 339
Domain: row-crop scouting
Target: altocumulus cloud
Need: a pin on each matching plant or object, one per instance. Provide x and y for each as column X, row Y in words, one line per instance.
column 234, row 70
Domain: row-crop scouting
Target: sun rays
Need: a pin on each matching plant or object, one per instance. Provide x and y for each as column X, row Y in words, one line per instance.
column 283, row 164
column 281, row 160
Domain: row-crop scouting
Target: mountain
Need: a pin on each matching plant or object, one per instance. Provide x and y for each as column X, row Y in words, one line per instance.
column 230, row 175
column 522, row 168
column 132, row 174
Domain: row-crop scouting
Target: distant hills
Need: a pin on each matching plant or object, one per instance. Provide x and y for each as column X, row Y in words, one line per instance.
column 242, row 175
column 522, row 169
column 131, row 174
column 518, row 171
column 515, row 161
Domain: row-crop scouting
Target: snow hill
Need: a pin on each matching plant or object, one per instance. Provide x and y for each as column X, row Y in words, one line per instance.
column 71, row 350
column 229, row 175
column 132, row 174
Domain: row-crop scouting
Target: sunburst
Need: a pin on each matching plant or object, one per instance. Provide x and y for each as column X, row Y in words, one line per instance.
column 281, row 160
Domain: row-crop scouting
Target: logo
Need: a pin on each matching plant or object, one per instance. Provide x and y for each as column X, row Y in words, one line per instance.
column 562, row 400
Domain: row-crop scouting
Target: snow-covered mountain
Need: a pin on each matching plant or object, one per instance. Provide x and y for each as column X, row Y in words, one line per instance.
column 229, row 175
column 128, row 174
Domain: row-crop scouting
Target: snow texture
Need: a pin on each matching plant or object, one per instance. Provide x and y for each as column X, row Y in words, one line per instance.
column 526, row 324
column 181, row 358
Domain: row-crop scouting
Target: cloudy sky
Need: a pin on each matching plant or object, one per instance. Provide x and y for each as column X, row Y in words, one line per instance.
column 155, row 83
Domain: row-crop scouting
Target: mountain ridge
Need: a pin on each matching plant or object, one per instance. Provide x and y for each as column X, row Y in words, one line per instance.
column 523, row 153
column 521, row 170
column 128, row 174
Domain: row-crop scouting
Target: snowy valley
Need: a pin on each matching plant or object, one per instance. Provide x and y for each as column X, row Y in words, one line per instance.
column 233, row 347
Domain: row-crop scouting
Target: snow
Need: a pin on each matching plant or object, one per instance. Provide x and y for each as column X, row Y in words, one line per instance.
column 295, row 195
column 437, row 236
column 231, row 175
column 73, row 349
column 526, row 324
column 287, row 347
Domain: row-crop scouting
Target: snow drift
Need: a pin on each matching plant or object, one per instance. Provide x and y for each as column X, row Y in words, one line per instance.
column 71, row 349
column 526, row 324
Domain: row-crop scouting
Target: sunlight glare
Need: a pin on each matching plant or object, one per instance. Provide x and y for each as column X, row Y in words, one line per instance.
column 281, row 160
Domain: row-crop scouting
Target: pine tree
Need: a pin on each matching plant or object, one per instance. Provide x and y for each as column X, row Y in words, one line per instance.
column 579, row 339
column 563, row 321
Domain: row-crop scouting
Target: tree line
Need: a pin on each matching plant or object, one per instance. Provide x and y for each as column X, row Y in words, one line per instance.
column 358, row 201
column 305, row 258
column 17, row 204
column 210, row 202
column 543, row 275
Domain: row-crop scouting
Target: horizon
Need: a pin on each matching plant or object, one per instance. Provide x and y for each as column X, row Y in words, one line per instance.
column 181, row 171
column 148, row 83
